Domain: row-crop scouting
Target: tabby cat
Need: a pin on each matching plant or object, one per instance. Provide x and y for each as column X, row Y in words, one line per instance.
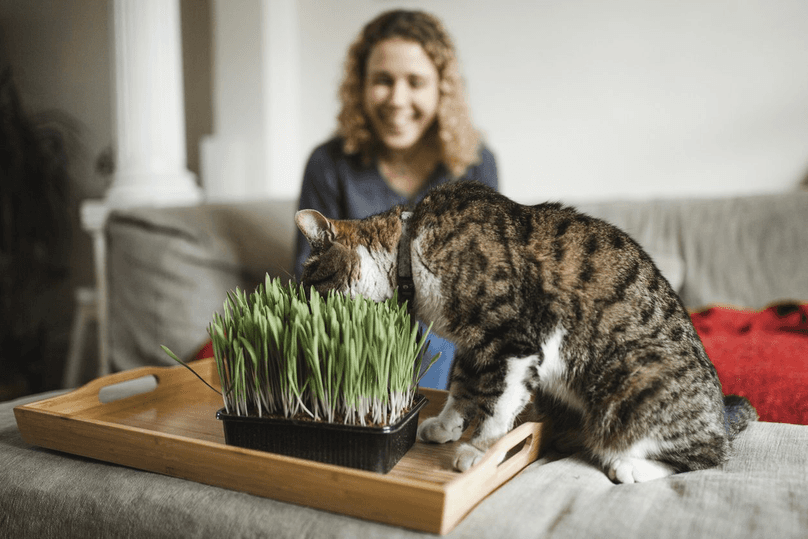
column 547, row 301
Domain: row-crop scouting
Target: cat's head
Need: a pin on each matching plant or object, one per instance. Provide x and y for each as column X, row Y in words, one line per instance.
column 353, row 257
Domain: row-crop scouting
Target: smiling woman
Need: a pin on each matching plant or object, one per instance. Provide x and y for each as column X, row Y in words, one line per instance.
column 404, row 127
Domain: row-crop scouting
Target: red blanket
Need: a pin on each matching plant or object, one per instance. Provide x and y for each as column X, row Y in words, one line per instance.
column 762, row 356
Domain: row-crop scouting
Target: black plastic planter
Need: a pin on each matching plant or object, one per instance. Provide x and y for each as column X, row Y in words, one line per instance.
column 376, row 449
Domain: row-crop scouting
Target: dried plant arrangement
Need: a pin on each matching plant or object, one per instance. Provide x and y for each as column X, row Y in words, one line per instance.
column 281, row 352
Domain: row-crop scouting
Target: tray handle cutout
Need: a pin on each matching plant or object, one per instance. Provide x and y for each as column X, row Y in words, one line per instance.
column 513, row 452
column 127, row 388
column 516, row 449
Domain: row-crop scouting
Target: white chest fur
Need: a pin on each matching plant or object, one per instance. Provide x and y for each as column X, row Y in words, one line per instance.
column 553, row 371
column 429, row 301
column 375, row 269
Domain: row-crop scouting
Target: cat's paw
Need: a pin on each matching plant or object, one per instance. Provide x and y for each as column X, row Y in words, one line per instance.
column 467, row 456
column 434, row 431
column 633, row 470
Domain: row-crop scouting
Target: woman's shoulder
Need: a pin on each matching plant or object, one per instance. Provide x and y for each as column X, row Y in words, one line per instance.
column 330, row 150
column 331, row 154
column 487, row 158
column 485, row 169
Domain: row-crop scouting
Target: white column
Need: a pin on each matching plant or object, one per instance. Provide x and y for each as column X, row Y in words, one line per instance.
column 151, row 164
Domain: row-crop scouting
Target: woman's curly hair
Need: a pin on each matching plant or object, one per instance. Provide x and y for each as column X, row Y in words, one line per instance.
column 458, row 138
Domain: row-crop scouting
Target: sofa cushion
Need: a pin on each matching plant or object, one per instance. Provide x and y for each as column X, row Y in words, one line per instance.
column 749, row 251
column 170, row 269
column 761, row 491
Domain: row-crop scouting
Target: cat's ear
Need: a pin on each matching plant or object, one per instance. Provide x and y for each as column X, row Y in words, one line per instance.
column 316, row 227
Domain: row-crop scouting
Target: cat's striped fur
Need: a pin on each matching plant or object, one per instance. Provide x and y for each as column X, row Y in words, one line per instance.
column 542, row 300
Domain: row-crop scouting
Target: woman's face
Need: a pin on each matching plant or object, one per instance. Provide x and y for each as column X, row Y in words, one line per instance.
column 401, row 92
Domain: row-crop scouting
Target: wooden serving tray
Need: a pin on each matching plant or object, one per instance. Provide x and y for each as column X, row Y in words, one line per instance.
column 172, row 430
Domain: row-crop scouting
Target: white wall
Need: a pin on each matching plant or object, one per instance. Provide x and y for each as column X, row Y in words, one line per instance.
column 607, row 99
column 231, row 164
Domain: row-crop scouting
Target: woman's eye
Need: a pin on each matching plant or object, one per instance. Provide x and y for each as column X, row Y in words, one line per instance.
column 382, row 80
column 417, row 82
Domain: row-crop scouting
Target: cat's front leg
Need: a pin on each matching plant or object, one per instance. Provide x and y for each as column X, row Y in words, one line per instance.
column 497, row 415
column 449, row 425
column 498, row 404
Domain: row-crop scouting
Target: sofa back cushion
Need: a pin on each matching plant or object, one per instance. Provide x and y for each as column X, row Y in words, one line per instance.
column 170, row 269
column 745, row 251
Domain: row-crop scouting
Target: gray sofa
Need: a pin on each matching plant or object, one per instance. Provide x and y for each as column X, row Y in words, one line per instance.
column 169, row 269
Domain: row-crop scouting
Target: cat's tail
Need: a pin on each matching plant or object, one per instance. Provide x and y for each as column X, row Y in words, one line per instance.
column 738, row 413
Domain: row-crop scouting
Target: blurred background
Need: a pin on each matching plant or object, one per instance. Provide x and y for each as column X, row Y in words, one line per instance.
column 579, row 101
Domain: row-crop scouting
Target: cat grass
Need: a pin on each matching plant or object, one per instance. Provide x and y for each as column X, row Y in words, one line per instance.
column 282, row 352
